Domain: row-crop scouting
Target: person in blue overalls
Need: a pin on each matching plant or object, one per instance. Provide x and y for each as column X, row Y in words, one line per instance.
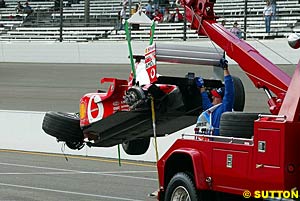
column 222, row 101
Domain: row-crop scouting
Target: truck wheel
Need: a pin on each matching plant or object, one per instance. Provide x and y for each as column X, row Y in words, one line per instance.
column 237, row 124
column 63, row 126
column 136, row 147
column 181, row 187
column 239, row 94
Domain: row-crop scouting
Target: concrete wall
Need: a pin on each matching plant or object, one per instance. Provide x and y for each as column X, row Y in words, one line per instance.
column 22, row 130
column 117, row 51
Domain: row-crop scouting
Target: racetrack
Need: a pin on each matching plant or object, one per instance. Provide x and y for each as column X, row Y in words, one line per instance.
column 59, row 87
column 28, row 176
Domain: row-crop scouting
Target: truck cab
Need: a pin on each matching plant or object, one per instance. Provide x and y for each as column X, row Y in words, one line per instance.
column 258, row 166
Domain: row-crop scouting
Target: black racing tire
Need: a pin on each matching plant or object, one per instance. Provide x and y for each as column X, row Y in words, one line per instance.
column 63, row 126
column 181, row 184
column 75, row 145
column 136, row 147
column 237, row 124
column 239, row 94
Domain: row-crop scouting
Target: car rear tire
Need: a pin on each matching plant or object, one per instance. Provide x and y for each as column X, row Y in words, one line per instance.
column 136, row 147
column 181, row 187
column 63, row 126
column 237, row 124
column 239, row 94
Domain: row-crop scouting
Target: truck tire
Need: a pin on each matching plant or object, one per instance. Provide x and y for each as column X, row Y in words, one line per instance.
column 237, row 124
column 136, row 147
column 239, row 94
column 181, row 185
column 63, row 126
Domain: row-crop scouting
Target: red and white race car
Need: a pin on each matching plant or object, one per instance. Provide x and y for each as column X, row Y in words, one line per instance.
column 122, row 114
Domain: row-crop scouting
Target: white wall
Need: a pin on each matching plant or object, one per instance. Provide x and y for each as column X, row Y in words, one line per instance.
column 117, row 51
column 22, row 130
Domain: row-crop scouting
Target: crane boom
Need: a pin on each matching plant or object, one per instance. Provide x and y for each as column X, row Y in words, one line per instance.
column 262, row 72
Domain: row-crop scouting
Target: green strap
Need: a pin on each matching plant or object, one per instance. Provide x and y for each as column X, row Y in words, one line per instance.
column 152, row 33
column 130, row 50
column 119, row 155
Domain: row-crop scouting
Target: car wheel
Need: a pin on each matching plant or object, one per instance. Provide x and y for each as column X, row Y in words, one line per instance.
column 63, row 126
column 239, row 94
column 237, row 124
column 136, row 147
column 75, row 145
column 181, row 188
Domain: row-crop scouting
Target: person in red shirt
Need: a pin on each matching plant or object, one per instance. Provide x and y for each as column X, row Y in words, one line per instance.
column 177, row 16
column 158, row 16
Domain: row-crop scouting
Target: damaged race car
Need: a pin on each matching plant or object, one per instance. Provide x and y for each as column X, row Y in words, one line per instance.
column 122, row 114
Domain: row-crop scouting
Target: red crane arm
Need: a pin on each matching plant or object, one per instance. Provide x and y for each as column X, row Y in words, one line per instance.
column 262, row 72
column 259, row 69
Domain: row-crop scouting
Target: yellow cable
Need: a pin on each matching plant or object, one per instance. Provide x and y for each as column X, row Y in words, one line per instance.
column 155, row 140
column 154, row 128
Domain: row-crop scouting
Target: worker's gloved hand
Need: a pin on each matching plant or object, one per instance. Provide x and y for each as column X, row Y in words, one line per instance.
column 199, row 82
column 224, row 64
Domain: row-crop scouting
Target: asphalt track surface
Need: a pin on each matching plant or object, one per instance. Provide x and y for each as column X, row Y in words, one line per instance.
column 27, row 176
column 59, row 87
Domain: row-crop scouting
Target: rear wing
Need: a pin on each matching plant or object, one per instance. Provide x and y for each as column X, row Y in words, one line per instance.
column 188, row 54
column 182, row 54
column 176, row 54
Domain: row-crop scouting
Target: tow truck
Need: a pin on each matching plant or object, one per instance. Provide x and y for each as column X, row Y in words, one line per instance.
column 256, row 155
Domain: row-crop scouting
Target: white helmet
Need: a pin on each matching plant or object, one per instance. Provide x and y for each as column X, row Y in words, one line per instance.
column 294, row 40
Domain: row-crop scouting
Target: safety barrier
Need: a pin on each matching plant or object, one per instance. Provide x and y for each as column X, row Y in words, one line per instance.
column 22, row 130
column 117, row 51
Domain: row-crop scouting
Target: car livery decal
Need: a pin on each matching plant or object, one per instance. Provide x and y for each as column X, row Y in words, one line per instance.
column 95, row 110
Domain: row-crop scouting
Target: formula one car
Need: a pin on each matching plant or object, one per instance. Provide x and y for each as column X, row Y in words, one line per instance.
column 123, row 114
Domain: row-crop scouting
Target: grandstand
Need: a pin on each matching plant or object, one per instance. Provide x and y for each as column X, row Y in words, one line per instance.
column 44, row 23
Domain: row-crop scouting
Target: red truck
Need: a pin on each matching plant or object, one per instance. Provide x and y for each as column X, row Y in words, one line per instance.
column 256, row 155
